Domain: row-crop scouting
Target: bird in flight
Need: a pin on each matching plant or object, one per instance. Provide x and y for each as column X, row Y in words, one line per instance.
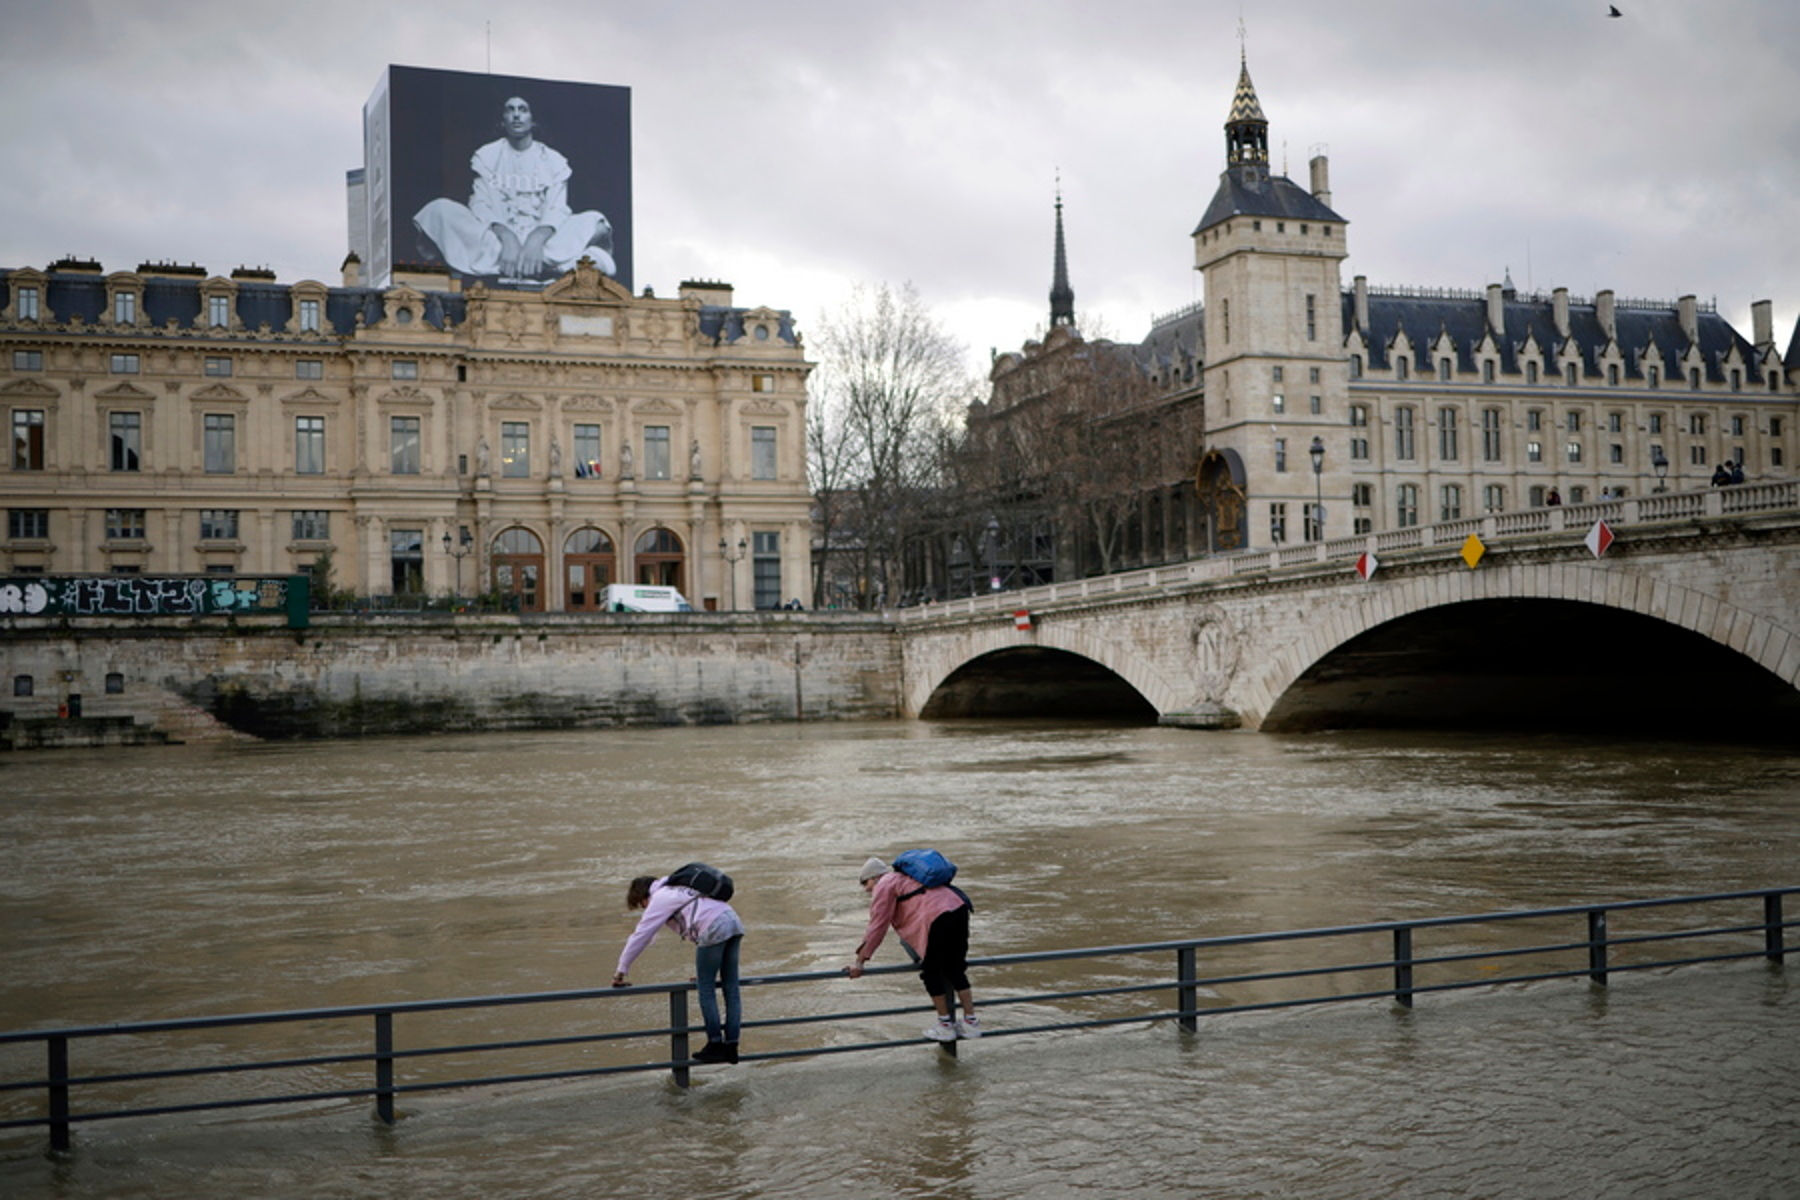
column 1612, row 10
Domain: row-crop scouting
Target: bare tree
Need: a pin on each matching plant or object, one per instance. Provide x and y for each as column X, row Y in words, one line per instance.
column 890, row 381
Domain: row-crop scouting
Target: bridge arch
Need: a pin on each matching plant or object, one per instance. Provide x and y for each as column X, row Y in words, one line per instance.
column 927, row 670
column 1274, row 698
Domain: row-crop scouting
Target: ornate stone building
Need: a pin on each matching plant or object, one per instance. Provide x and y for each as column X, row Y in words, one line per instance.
column 431, row 440
column 1331, row 411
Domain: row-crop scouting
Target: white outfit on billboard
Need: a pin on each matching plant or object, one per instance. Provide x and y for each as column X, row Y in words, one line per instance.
column 523, row 190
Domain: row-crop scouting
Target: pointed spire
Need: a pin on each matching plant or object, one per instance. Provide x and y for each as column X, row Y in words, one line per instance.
column 1062, row 296
column 1246, row 130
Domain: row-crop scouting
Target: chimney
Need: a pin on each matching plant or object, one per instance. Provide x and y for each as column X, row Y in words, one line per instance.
column 1690, row 318
column 1559, row 311
column 1362, row 303
column 1603, row 311
column 352, row 270
column 1762, row 324
column 1496, row 309
column 1321, row 180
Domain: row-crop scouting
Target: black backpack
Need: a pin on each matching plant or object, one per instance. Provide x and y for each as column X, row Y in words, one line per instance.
column 708, row 881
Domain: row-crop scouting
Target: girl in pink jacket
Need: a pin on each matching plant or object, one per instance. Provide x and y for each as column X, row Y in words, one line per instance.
column 717, row 933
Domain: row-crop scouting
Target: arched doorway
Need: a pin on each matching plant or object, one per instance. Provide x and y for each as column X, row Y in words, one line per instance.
column 1221, row 484
column 588, row 566
column 519, row 570
column 660, row 560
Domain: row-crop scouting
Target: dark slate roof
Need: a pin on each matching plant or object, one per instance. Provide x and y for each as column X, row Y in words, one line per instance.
column 1465, row 319
column 724, row 324
column 1251, row 193
column 1792, row 360
column 1175, row 348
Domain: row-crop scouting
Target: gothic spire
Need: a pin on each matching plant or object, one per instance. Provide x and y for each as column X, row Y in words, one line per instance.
column 1246, row 130
column 1062, row 296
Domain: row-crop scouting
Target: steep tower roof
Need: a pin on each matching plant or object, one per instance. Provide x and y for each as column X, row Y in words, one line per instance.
column 1062, row 296
column 1246, row 129
column 1247, row 188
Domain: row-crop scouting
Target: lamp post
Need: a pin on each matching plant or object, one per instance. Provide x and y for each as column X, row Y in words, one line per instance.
column 1317, row 450
column 993, row 541
column 459, row 549
column 732, row 559
column 1660, row 465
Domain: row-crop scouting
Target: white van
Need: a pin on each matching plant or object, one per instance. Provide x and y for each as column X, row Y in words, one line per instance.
column 627, row 597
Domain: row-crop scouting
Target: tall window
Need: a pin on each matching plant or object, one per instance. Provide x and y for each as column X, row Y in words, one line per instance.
column 587, row 452
column 515, row 449
column 1615, row 422
column 124, row 524
column 1403, row 433
column 1450, row 502
column 406, row 561
column 25, row 304
column 1281, row 454
column 1697, row 424
column 1569, row 374
column 1312, row 318
column 27, row 524
column 218, row 524
column 312, row 525
column 762, row 453
column 28, row 439
column 1406, row 507
column 220, row 449
column 218, row 311
column 1312, row 521
column 1444, row 369
column 1277, row 523
column 1531, row 371
column 309, row 445
column 125, row 434
column 1493, row 497
column 125, row 308
column 765, row 561
column 309, row 316
column 1359, row 442
column 1573, row 451
column 1656, row 422
column 1534, row 452
column 1574, row 420
column 1534, row 419
column 656, row 452
column 403, row 445
column 1448, row 448
column 1490, row 435
column 1402, row 369
column 1225, row 317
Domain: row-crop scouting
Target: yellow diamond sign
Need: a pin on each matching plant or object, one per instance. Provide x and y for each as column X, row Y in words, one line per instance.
column 1472, row 551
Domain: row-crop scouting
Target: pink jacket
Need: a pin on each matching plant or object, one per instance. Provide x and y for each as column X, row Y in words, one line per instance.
column 682, row 909
column 911, row 919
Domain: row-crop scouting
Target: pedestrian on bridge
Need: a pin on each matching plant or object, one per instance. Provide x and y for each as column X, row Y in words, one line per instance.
column 933, row 924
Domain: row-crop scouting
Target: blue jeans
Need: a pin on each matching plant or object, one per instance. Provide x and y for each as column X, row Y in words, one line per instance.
column 719, row 963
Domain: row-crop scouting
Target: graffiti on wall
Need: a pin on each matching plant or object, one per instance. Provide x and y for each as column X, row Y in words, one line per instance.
column 140, row 595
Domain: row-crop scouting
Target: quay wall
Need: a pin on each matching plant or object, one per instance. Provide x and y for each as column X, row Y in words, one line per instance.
column 101, row 683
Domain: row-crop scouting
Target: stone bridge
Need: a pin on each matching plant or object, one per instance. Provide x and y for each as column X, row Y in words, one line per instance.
column 1689, row 620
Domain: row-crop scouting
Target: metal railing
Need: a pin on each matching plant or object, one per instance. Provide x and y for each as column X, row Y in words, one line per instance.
column 1399, row 968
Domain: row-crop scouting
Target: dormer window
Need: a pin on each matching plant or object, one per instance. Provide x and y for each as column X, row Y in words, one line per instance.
column 218, row 312
column 309, row 316
column 125, row 308
column 25, row 304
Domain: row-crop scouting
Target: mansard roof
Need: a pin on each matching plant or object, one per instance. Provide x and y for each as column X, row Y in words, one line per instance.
column 1463, row 316
column 1249, row 193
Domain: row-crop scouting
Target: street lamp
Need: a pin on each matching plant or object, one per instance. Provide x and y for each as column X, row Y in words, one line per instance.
column 1660, row 465
column 732, row 559
column 459, row 550
column 1317, row 450
column 993, row 540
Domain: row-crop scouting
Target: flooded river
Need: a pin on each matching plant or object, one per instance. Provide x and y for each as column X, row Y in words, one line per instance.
column 188, row 881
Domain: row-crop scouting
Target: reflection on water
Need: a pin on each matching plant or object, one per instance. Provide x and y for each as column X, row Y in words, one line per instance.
column 190, row 880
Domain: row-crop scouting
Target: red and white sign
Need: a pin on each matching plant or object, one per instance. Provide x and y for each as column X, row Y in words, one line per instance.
column 1365, row 565
column 1022, row 620
column 1599, row 538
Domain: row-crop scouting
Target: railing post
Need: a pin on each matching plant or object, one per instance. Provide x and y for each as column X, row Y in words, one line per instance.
column 678, row 1036
column 384, row 1067
column 1403, row 967
column 59, row 1094
column 1597, row 946
column 1774, row 936
column 1186, row 994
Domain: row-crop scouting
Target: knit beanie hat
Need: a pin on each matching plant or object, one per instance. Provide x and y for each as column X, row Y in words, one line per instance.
column 871, row 870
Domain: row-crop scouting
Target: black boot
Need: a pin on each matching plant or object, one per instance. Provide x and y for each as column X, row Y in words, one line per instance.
column 713, row 1052
column 731, row 1053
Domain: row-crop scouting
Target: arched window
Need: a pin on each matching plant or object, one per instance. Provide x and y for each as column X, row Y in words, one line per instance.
column 589, row 565
column 518, row 558
column 660, row 560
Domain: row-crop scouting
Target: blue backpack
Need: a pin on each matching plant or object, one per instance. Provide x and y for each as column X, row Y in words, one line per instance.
column 928, row 868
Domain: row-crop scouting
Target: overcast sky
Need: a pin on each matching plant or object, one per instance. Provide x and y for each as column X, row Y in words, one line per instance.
column 795, row 149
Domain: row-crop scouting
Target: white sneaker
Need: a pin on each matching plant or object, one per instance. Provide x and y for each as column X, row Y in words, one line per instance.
column 968, row 1027
column 942, row 1031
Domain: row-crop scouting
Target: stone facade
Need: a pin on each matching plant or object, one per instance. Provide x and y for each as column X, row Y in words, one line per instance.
column 1426, row 405
column 432, row 440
